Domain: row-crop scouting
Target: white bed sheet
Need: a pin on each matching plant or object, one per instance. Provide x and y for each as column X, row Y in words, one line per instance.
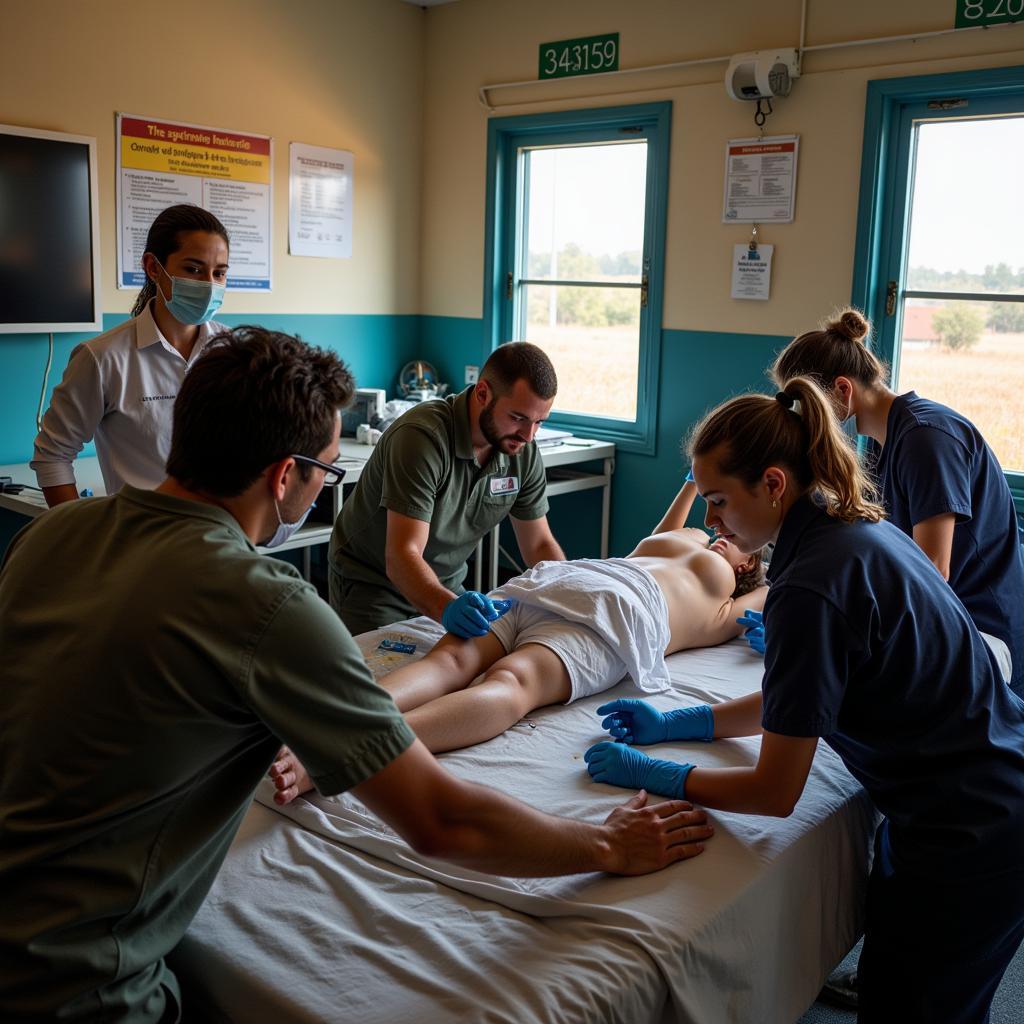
column 321, row 913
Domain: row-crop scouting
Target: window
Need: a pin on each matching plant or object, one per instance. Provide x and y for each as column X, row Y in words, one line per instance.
column 576, row 213
column 942, row 275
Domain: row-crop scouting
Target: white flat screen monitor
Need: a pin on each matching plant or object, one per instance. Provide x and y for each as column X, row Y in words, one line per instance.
column 49, row 232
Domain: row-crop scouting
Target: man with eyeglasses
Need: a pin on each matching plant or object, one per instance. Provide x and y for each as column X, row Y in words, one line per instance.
column 153, row 662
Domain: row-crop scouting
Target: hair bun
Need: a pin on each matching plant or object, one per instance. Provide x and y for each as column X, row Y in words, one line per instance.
column 850, row 324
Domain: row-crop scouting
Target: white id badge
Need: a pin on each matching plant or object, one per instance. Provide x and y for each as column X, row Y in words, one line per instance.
column 504, row 484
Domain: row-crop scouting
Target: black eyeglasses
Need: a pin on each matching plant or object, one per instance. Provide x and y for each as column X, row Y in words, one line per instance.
column 333, row 475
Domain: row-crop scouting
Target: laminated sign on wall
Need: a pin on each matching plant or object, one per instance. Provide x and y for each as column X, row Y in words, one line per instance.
column 760, row 180
column 163, row 163
column 751, row 271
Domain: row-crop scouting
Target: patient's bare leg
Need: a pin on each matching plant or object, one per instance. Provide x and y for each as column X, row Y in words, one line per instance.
column 290, row 778
column 513, row 686
column 451, row 665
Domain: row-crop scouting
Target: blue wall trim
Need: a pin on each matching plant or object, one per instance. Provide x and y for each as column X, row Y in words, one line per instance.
column 375, row 348
column 691, row 382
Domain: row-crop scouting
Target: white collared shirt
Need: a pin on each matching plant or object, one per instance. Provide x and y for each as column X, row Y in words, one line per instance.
column 118, row 388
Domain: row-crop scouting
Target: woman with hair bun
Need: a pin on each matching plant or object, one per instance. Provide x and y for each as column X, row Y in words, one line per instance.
column 868, row 649
column 119, row 388
column 939, row 480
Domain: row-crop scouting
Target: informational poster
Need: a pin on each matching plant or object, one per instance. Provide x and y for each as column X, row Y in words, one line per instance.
column 319, row 201
column 161, row 163
column 760, row 180
column 751, row 271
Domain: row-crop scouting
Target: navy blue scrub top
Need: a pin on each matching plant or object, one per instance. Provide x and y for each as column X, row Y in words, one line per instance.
column 935, row 461
column 867, row 647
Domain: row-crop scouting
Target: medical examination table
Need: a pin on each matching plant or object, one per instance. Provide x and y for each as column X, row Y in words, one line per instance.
column 321, row 913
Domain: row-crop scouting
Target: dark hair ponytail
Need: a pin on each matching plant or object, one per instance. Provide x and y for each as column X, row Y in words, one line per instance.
column 752, row 432
column 839, row 348
column 163, row 239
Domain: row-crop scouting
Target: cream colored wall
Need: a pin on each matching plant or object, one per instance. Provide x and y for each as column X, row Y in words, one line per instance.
column 339, row 73
column 476, row 42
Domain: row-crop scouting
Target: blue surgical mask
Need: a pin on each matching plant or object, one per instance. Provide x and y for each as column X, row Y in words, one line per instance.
column 285, row 530
column 193, row 302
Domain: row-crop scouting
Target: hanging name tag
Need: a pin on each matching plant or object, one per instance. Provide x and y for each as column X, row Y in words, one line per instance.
column 504, row 484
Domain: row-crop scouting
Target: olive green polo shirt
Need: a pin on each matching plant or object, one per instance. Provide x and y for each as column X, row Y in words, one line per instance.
column 423, row 467
column 153, row 661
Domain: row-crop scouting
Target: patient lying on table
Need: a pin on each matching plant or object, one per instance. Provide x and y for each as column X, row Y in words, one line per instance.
column 574, row 629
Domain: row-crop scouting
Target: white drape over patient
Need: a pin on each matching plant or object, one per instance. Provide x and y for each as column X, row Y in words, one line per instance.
column 613, row 597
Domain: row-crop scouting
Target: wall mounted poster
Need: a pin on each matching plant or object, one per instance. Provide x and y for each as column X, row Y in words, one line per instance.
column 162, row 163
column 760, row 180
column 319, row 201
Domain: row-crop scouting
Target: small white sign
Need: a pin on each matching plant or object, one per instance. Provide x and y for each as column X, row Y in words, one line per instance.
column 320, row 201
column 751, row 271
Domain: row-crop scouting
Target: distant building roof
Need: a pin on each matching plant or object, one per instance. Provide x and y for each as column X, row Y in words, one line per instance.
column 917, row 323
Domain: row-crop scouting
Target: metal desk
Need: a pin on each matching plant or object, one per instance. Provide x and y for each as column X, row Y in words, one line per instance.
column 557, row 460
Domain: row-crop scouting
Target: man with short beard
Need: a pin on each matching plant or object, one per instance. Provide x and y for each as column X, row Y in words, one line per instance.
column 439, row 479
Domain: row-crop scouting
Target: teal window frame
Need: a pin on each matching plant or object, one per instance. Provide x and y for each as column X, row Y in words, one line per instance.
column 893, row 105
column 506, row 193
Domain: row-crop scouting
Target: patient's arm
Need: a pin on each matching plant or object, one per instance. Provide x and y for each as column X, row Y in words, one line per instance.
column 725, row 627
column 442, row 816
column 771, row 787
column 675, row 517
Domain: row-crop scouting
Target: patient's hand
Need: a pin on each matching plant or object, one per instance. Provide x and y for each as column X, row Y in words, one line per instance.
column 646, row 839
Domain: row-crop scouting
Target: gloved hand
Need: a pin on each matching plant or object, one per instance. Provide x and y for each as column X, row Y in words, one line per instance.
column 468, row 615
column 619, row 765
column 688, row 479
column 635, row 721
column 754, row 632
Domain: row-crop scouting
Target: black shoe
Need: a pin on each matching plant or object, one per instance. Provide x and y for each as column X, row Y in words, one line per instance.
column 840, row 989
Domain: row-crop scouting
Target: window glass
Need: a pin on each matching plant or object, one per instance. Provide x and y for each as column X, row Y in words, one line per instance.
column 583, row 212
column 958, row 346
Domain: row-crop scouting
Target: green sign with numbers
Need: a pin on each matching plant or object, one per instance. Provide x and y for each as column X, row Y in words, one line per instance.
column 970, row 13
column 588, row 56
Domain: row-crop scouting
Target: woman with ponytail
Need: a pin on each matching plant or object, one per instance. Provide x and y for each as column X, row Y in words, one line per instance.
column 119, row 388
column 867, row 648
column 939, row 480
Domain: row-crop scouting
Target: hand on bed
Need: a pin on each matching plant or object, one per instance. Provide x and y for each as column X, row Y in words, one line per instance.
column 470, row 613
column 646, row 838
column 635, row 721
column 754, row 631
column 618, row 765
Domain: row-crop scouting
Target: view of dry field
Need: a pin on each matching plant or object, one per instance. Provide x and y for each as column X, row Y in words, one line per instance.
column 596, row 367
column 984, row 383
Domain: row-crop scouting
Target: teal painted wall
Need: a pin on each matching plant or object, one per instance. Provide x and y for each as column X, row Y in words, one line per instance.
column 375, row 348
column 699, row 369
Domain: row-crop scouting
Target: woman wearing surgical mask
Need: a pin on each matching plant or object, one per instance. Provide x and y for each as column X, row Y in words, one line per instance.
column 119, row 388
column 940, row 482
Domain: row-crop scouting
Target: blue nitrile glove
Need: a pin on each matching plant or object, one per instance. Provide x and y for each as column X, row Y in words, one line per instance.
column 754, row 632
column 467, row 616
column 688, row 479
column 635, row 721
column 619, row 765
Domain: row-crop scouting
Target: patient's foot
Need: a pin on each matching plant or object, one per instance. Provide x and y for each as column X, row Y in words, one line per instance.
column 290, row 778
